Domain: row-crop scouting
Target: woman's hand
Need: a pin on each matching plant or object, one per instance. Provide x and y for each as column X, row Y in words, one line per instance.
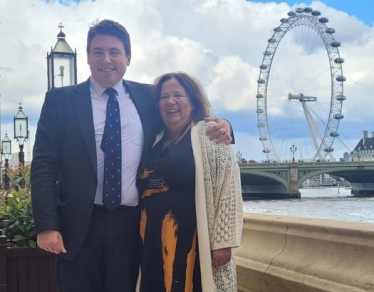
column 221, row 256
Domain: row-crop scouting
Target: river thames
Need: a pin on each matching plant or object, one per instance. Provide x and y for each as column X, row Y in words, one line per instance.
column 324, row 203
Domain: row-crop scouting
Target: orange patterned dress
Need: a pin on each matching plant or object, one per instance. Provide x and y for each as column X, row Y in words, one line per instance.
column 170, row 260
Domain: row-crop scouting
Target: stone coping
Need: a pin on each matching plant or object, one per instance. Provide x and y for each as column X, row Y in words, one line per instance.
column 284, row 253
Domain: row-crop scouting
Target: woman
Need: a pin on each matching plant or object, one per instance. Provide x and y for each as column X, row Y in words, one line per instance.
column 191, row 204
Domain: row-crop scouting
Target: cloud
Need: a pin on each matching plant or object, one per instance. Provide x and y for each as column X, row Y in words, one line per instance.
column 220, row 42
column 233, row 85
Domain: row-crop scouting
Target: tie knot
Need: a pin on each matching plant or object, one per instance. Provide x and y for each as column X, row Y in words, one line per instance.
column 111, row 92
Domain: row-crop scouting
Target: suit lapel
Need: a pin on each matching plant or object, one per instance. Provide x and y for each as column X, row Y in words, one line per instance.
column 142, row 102
column 81, row 99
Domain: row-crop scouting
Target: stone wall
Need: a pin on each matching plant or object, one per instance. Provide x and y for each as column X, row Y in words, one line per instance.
column 282, row 253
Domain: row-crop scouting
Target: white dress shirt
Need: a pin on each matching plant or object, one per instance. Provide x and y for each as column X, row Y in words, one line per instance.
column 132, row 140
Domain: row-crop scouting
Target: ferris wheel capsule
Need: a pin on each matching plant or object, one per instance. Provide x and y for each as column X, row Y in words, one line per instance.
column 341, row 78
column 330, row 30
column 339, row 60
column 338, row 116
column 335, row 44
column 323, row 20
column 328, row 149
column 300, row 10
column 316, row 13
column 340, row 97
column 308, row 9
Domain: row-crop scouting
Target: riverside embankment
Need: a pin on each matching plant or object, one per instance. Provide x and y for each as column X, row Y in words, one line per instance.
column 293, row 254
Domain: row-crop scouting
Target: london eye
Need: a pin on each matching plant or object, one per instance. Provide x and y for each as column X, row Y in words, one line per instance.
column 300, row 89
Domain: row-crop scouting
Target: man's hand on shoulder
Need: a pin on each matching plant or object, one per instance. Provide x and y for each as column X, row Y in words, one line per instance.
column 220, row 132
column 51, row 240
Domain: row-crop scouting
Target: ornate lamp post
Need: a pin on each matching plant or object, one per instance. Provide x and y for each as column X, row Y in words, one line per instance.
column 239, row 156
column 21, row 132
column 293, row 149
column 6, row 151
column 61, row 63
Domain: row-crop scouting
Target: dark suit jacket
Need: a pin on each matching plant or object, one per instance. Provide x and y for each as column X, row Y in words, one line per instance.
column 64, row 167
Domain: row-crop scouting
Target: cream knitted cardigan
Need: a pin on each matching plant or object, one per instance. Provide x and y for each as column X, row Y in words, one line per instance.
column 219, row 207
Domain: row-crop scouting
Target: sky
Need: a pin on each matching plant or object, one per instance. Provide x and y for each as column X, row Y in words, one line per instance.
column 219, row 42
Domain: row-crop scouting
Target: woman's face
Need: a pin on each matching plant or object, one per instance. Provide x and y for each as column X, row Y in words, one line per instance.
column 175, row 105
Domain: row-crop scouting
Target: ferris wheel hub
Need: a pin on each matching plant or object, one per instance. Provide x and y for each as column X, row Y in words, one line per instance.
column 301, row 97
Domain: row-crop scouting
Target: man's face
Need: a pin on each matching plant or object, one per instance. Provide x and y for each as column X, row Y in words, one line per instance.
column 108, row 60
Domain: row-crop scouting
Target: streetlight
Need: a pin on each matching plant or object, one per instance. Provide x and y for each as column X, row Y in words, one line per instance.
column 6, row 150
column 293, row 149
column 239, row 156
column 21, row 132
column 62, row 63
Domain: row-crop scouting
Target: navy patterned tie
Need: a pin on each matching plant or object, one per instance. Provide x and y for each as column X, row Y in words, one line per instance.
column 111, row 145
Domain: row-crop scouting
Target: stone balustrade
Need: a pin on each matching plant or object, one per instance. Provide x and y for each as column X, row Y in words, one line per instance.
column 289, row 254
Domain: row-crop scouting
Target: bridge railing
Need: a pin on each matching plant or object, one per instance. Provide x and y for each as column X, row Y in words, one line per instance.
column 305, row 164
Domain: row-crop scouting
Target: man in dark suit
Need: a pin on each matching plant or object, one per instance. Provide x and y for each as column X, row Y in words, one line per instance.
column 86, row 205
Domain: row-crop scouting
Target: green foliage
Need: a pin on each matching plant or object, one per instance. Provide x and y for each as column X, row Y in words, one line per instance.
column 16, row 210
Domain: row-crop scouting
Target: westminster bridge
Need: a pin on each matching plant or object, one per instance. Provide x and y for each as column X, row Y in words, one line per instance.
column 283, row 180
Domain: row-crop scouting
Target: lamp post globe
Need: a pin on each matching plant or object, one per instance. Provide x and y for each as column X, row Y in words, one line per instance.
column 21, row 132
column 61, row 63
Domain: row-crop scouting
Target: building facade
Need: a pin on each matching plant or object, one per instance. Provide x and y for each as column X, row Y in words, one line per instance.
column 364, row 150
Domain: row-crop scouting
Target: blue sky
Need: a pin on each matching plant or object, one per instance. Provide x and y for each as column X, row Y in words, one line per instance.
column 362, row 9
column 220, row 42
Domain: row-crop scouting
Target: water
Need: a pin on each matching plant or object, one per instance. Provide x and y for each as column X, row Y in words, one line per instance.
column 325, row 203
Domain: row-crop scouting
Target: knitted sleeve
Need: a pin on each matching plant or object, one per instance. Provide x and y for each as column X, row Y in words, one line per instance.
column 223, row 192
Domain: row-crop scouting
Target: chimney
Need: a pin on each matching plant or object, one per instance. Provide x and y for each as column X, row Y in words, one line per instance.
column 365, row 137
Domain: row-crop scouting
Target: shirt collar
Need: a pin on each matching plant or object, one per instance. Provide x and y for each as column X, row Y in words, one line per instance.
column 99, row 90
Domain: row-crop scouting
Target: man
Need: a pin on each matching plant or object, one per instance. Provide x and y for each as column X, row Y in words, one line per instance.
column 92, row 139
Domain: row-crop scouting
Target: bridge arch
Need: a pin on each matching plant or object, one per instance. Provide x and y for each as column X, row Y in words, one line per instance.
column 283, row 180
column 360, row 177
column 351, row 174
column 260, row 184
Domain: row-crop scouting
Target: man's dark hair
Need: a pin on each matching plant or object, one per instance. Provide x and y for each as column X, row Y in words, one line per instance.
column 111, row 28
